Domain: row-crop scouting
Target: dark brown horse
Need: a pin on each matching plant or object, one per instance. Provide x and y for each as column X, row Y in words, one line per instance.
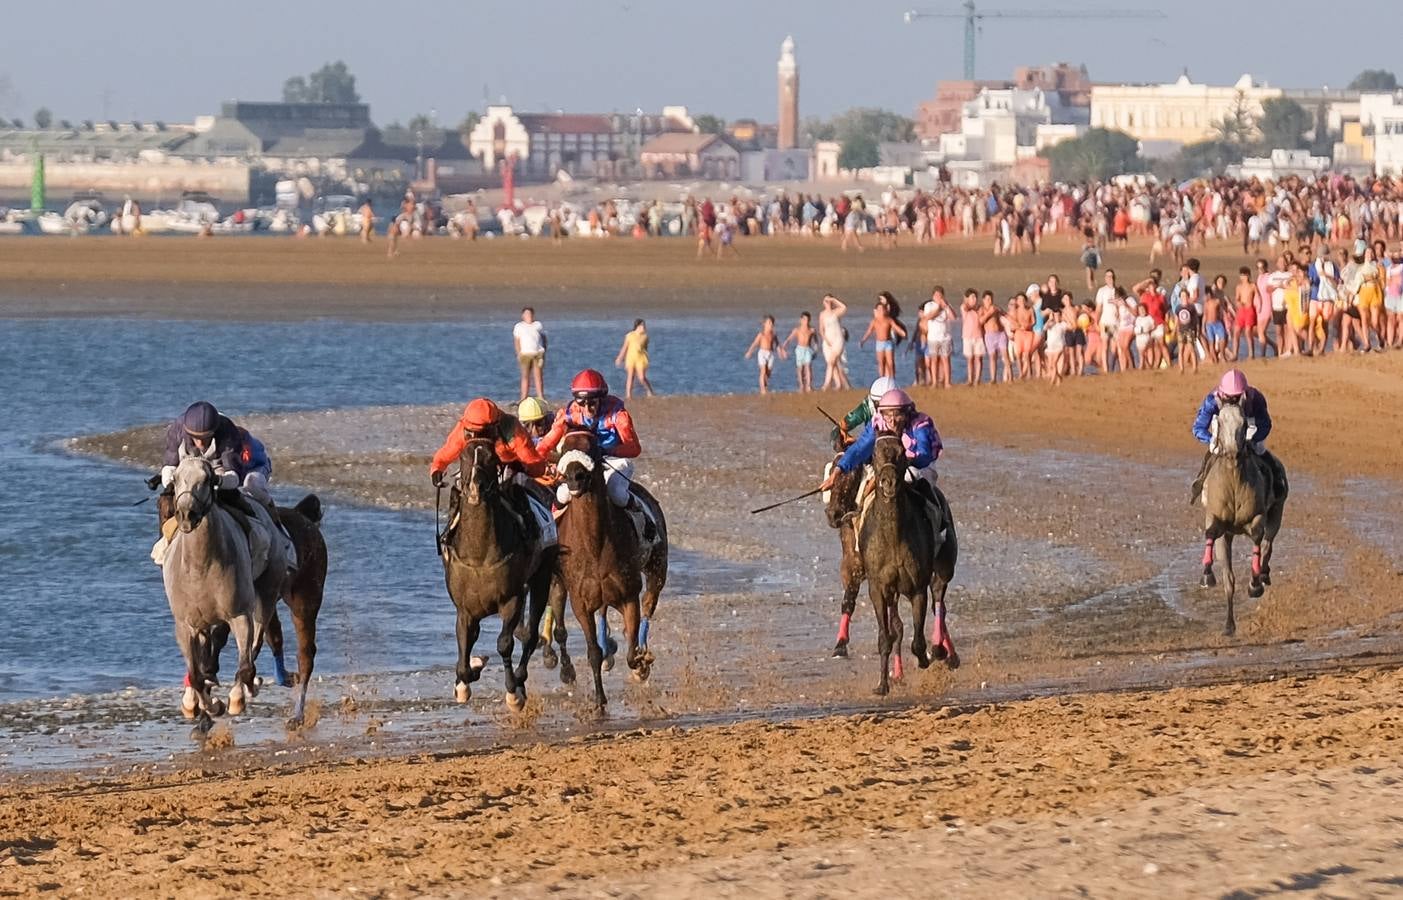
column 905, row 555
column 600, row 560
column 303, row 598
column 493, row 562
column 841, row 509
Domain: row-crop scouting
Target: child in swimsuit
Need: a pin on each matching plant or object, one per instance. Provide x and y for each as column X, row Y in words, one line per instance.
column 805, row 339
column 884, row 329
column 764, row 348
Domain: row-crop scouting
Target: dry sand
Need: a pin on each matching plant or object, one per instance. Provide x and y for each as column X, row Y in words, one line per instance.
column 1078, row 553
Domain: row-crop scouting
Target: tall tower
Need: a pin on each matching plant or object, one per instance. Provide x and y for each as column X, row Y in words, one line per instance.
column 788, row 96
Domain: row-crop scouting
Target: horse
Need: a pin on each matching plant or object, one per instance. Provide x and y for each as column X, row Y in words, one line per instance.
column 1239, row 497
column 493, row 562
column 904, row 556
column 209, row 580
column 303, row 597
column 600, row 560
column 841, row 509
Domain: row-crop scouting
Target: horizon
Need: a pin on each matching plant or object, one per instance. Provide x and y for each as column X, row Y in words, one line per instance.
column 149, row 69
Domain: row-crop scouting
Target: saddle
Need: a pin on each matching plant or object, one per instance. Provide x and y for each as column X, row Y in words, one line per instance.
column 935, row 506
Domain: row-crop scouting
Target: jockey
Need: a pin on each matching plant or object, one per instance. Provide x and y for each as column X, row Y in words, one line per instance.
column 896, row 414
column 484, row 419
column 532, row 414
column 1233, row 388
column 595, row 410
column 239, row 459
column 860, row 415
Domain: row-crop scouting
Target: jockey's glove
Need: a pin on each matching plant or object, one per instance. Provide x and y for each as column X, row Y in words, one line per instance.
column 437, row 479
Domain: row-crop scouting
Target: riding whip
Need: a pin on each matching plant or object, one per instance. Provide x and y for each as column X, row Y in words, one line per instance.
column 802, row 496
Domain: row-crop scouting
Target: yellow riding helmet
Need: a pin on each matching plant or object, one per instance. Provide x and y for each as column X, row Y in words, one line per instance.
column 530, row 410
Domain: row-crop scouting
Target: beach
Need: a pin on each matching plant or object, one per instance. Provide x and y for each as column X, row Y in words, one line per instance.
column 1102, row 736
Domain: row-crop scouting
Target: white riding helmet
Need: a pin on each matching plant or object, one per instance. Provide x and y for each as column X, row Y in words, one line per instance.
column 880, row 387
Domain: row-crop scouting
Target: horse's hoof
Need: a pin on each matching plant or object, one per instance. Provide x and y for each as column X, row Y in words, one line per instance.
column 938, row 653
column 462, row 693
column 882, row 690
column 952, row 660
column 567, row 672
column 201, row 729
column 1256, row 589
column 515, row 702
column 549, row 659
column 1208, row 580
column 217, row 708
column 1230, row 629
column 840, row 652
column 189, row 703
column 1266, row 579
column 236, row 707
column 477, row 663
column 294, row 723
column 608, row 664
column 636, row 677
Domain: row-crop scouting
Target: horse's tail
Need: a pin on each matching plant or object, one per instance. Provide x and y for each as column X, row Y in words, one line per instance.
column 310, row 508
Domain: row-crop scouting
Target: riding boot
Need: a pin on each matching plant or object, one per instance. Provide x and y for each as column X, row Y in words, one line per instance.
column 1277, row 472
column 1197, row 488
column 647, row 530
column 235, row 499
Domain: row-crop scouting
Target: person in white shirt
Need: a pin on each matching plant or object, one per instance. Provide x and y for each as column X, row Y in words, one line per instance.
column 529, row 337
column 1107, row 319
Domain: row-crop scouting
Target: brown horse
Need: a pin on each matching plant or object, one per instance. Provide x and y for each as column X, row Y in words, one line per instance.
column 303, row 597
column 904, row 556
column 493, row 561
column 841, row 509
column 600, row 560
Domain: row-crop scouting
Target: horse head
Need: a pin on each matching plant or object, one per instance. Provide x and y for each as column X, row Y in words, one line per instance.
column 480, row 470
column 842, row 499
column 1230, row 436
column 194, row 492
column 581, row 464
column 889, row 459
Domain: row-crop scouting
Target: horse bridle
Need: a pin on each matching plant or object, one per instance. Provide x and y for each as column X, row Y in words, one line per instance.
column 209, row 475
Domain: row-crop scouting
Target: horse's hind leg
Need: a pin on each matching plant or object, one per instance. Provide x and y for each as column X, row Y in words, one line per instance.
column 537, row 598
column 468, row 629
column 920, row 602
column 1209, row 537
column 880, row 605
column 195, row 701
column 1229, row 580
column 942, row 647
column 245, row 632
column 274, row 633
column 559, row 633
column 1260, row 545
column 305, row 601
column 511, row 615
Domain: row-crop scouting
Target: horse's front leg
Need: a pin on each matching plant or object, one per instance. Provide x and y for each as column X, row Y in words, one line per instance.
column 510, row 613
column 1229, row 580
column 850, row 574
column 942, row 647
column 879, row 613
column 274, row 633
column 245, row 632
column 538, row 596
column 468, row 628
column 897, row 632
column 638, row 656
column 559, row 634
column 1210, row 536
column 920, row 603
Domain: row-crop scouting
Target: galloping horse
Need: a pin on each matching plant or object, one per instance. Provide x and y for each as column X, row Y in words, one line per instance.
column 841, row 509
column 1239, row 497
column 493, row 559
column 903, row 555
column 209, row 581
column 303, row 597
column 600, row 560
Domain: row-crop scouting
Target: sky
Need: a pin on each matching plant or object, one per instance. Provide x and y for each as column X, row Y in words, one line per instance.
column 171, row 61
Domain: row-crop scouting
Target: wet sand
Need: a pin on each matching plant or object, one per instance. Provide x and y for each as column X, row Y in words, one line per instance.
column 1168, row 759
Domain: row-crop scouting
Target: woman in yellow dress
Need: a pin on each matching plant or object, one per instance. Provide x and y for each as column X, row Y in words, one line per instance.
column 633, row 356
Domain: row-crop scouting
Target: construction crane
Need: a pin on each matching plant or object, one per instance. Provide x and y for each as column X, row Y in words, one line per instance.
column 973, row 17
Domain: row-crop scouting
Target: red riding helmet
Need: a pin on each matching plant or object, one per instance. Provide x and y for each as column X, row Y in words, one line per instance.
column 589, row 384
column 481, row 413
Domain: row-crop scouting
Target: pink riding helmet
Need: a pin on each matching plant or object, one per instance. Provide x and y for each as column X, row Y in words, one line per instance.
column 896, row 399
column 1233, row 384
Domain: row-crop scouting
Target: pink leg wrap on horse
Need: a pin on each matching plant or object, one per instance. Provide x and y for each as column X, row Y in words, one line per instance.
column 896, row 667
column 937, row 628
column 843, row 626
column 1208, row 552
column 187, row 679
column 1256, row 560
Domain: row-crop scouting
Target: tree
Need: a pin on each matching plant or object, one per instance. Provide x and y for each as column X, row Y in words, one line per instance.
column 859, row 152
column 43, row 118
column 332, row 83
column 1322, row 142
column 708, row 124
column 860, row 131
column 469, row 122
column 420, row 122
column 1284, row 124
column 1208, row 157
column 1374, row 80
column 1095, row 156
column 1237, row 127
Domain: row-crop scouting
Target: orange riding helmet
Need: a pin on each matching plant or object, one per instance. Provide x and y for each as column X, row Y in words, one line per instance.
column 481, row 413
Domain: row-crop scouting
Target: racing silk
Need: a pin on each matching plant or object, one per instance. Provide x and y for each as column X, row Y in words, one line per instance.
column 920, row 438
column 1254, row 407
column 612, row 427
column 231, row 449
column 513, row 445
column 856, row 418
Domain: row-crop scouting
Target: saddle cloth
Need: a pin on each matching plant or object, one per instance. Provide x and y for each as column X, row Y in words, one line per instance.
column 261, row 530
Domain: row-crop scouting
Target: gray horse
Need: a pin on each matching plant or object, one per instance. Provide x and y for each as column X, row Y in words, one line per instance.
column 209, row 581
column 1239, row 497
column 904, row 557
